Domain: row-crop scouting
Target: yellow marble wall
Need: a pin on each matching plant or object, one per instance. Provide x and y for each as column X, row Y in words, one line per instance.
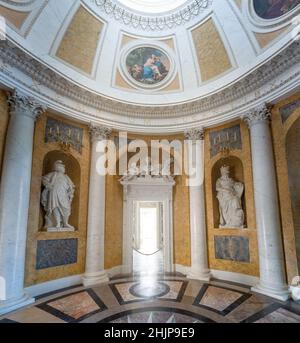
column 114, row 216
column 113, row 222
column 41, row 149
column 280, row 131
column 4, row 117
column 244, row 156
column 79, row 44
column 212, row 56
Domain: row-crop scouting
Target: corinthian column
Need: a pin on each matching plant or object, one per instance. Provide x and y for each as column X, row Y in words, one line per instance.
column 14, row 200
column 199, row 269
column 271, row 260
column 94, row 267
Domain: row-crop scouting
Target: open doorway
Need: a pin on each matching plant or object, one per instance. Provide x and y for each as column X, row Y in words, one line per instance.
column 147, row 247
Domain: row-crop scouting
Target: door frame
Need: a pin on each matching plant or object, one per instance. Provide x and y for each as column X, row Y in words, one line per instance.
column 148, row 189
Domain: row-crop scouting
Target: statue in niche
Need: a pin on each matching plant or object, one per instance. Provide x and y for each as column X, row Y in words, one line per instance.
column 230, row 200
column 57, row 198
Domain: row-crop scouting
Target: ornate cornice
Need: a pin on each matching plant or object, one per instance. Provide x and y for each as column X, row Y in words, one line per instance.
column 258, row 115
column 175, row 18
column 43, row 76
column 195, row 134
column 22, row 104
column 99, row 133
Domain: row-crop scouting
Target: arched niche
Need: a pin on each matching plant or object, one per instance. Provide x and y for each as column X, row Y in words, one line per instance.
column 74, row 172
column 293, row 162
column 237, row 173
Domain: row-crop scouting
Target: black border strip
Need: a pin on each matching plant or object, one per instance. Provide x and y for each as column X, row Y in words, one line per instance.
column 268, row 310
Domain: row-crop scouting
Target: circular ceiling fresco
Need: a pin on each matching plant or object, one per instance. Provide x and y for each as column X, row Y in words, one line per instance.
column 148, row 66
column 273, row 9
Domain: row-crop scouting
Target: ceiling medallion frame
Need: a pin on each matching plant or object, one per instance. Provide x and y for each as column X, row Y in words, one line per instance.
column 154, row 22
column 278, row 22
column 130, row 47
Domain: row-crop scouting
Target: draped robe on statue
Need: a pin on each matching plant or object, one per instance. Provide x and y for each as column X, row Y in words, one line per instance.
column 58, row 193
column 229, row 196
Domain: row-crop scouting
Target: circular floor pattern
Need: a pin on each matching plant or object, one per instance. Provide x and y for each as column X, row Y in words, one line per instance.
column 149, row 290
column 156, row 315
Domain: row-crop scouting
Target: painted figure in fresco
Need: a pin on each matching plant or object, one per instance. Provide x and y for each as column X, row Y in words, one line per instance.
column 147, row 65
column 271, row 9
column 230, row 200
column 57, row 197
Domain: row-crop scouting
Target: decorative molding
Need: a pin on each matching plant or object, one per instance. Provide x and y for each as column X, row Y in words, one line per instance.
column 99, row 133
column 223, row 141
column 194, row 134
column 258, row 115
column 65, row 134
column 155, row 22
column 262, row 78
column 54, row 285
column 27, row 104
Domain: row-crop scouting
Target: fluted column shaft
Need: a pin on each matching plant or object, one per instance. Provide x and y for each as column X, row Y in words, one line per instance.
column 94, row 268
column 271, row 259
column 199, row 268
column 14, row 200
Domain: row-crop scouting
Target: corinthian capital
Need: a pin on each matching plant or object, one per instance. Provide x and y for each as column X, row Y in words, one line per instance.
column 99, row 132
column 258, row 115
column 26, row 105
column 194, row 134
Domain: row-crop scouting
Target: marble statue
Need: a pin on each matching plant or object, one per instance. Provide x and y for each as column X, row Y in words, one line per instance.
column 57, row 198
column 230, row 204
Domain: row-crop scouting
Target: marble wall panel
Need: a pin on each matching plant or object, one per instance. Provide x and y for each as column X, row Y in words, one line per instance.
column 56, row 252
column 232, row 248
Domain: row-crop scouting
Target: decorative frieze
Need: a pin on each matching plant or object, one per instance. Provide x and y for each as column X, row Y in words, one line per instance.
column 65, row 134
column 226, row 139
column 232, row 248
column 54, row 253
column 12, row 56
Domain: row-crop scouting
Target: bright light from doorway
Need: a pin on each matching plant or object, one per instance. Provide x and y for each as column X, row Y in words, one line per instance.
column 148, row 230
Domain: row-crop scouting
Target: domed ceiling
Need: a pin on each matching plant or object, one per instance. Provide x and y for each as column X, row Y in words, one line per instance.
column 151, row 60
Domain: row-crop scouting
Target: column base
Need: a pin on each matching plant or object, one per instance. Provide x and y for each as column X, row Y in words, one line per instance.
column 92, row 279
column 201, row 276
column 7, row 306
column 282, row 295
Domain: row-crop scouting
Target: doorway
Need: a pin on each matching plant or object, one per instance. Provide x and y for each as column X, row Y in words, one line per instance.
column 148, row 238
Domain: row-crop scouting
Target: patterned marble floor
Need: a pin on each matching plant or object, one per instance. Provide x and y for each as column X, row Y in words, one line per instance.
column 165, row 299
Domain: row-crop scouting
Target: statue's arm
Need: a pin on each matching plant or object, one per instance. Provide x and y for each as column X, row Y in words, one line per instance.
column 46, row 180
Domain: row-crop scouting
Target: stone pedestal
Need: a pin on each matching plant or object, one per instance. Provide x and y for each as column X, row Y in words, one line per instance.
column 14, row 201
column 271, row 259
column 94, row 268
column 199, row 269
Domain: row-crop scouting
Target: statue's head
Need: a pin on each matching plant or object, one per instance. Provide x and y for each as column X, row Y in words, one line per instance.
column 225, row 170
column 59, row 166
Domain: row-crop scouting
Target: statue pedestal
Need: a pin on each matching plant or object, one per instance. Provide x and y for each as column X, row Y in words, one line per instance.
column 61, row 229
